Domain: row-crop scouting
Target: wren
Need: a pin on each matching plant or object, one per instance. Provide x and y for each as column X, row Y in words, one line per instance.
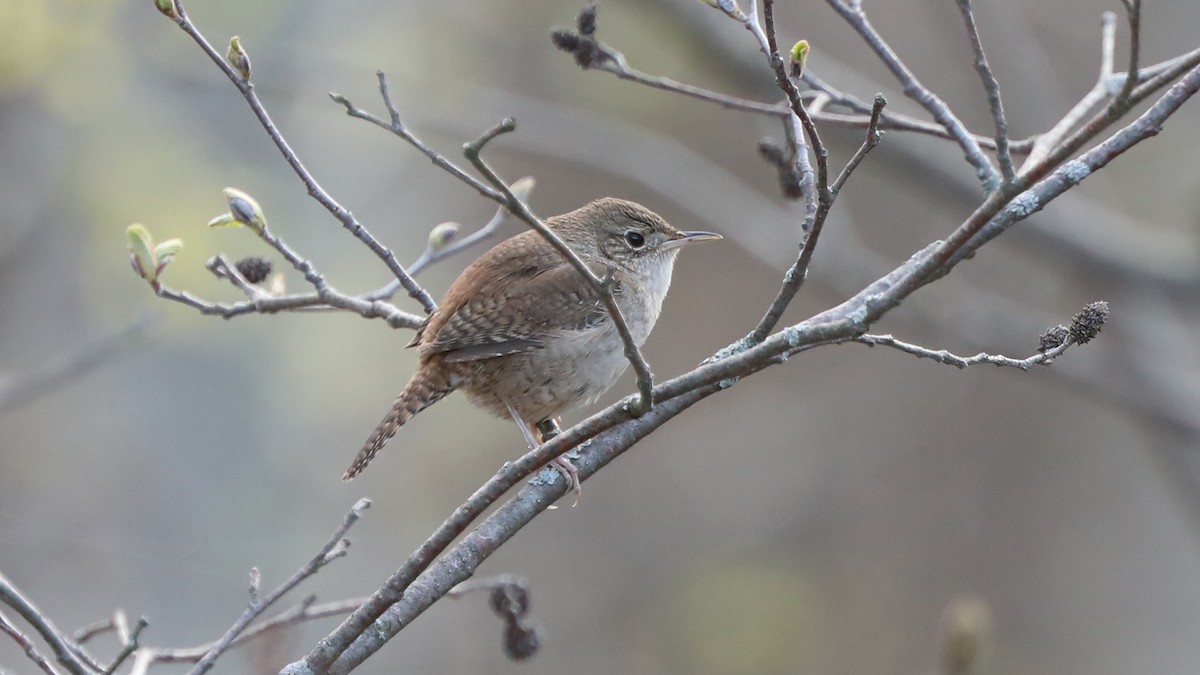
column 525, row 335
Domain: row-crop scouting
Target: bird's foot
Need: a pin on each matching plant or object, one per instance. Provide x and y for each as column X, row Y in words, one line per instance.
column 548, row 429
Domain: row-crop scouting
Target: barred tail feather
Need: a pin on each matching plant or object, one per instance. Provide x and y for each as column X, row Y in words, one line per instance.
column 422, row 391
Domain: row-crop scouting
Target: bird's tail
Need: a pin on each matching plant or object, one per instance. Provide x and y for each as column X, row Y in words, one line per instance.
column 423, row 390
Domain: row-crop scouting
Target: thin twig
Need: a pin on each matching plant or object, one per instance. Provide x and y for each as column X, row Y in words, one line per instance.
column 306, row 610
column 58, row 642
column 853, row 14
column 130, row 646
column 1161, row 74
column 645, row 379
column 1099, row 92
column 520, row 188
column 91, row 630
column 623, row 71
column 367, row 308
column 815, row 196
column 396, row 126
column 794, row 278
column 430, row 255
column 221, row 268
column 26, row 645
column 890, row 121
column 868, row 144
column 333, row 549
column 752, row 25
column 992, row 88
column 998, row 213
column 1133, row 12
column 944, row 357
column 246, row 88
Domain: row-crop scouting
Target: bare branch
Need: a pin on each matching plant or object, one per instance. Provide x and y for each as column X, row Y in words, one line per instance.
column 130, row 646
column 367, row 308
column 334, row 548
column 347, row 219
column 1097, row 95
column 762, row 37
column 522, row 187
column 869, row 143
column 26, row 645
column 816, row 197
column 306, row 610
column 619, row 68
column 396, row 126
column 944, row 357
column 90, row 631
column 1133, row 12
column 992, row 88
column 889, row 121
column 996, row 215
column 854, row 15
column 592, row 54
column 64, row 652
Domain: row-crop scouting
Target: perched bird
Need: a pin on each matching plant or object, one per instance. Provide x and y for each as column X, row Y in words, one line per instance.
column 525, row 335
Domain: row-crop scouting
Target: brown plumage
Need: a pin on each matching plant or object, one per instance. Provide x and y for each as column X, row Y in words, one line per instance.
column 521, row 331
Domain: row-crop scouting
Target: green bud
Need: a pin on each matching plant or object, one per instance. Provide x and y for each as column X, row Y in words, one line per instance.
column 730, row 7
column 442, row 235
column 167, row 7
column 522, row 187
column 165, row 251
column 799, row 57
column 245, row 209
column 224, row 220
column 141, row 252
column 237, row 57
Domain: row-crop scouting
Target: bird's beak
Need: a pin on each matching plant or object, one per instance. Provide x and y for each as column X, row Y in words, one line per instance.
column 688, row 237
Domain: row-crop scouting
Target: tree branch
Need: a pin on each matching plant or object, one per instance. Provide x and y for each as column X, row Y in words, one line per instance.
column 992, row 88
column 64, row 651
column 946, row 358
column 26, row 645
column 857, row 18
column 333, row 549
column 246, row 88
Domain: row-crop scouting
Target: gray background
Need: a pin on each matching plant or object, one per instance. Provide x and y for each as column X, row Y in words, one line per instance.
column 816, row 518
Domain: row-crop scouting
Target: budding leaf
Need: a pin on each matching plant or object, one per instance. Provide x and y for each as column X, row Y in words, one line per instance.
column 730, row 7
column 167, row 7
column 224, row 220
column 799, row 57
column 522, row 187
column 168, row 249
column 245, row 209
column 442, row 235
column 238, row 58
column 165, row 252
column 141, row 252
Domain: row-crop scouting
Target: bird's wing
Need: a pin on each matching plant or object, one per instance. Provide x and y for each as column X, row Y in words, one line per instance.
column 494, row 321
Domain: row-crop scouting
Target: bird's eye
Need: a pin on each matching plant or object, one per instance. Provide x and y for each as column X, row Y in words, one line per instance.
column 635, row 239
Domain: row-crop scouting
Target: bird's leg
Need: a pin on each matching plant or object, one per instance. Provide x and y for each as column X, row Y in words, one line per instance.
column 526, row 429
column 547, row 429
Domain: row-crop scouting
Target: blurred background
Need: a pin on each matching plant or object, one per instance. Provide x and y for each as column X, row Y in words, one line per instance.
column 816, row 518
